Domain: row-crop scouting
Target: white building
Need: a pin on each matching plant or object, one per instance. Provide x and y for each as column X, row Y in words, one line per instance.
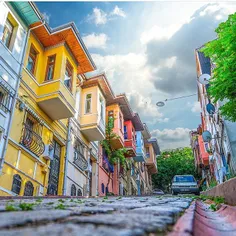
column 15, row 19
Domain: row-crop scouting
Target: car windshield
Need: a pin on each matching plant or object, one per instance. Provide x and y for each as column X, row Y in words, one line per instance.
column 184, row 179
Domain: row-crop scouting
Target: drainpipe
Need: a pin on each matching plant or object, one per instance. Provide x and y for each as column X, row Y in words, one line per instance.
column 15, row 97
column 66, row 157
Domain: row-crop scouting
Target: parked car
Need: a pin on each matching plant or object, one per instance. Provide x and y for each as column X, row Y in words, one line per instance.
column 184, row 184
column 157, row 192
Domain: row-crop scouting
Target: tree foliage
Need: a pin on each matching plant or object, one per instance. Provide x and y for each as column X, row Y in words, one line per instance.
column 171, row 163
column 114, row 155
column 222, row 52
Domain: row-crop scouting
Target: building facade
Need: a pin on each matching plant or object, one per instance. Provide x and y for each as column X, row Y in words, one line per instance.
column 216, row 158
column 53, row 116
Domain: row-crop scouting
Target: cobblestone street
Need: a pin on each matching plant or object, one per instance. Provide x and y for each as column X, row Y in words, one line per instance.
column 91, row 216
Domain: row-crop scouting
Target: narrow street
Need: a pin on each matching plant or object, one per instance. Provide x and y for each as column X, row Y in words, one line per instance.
column 92, row 216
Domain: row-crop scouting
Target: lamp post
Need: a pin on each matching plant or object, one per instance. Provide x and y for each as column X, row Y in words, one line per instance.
column 162, row 103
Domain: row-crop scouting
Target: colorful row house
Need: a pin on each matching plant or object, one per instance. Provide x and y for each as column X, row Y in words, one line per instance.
column 215, row 159
column 53, row 116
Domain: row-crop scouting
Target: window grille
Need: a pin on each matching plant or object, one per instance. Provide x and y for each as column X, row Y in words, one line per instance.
column 79, row 159
column 73, row 190
column 6, row 95
column 79, row 193
column 32, row 134
column 29, row 189
column 16, row 184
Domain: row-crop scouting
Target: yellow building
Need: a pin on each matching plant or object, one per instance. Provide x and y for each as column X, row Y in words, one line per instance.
column 36, row 151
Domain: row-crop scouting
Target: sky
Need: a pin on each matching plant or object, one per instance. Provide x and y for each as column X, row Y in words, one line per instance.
column 147, row 52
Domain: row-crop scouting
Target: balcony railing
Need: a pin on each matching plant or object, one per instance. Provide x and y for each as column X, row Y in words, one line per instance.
column 81, row 162
column 32, row 141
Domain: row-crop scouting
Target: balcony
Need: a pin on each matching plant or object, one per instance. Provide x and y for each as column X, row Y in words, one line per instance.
column 140, row 155
column 92, row 127
column 118, row 142
column 131, row 148
column 56, row 100
column 52, row 97
column 152, row 167
column 32, row 141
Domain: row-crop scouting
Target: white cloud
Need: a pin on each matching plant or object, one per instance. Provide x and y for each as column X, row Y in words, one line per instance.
column 172, row 138
column 118, row 11
column 157, row 32
column 100, row 17
column 46, row 16
column 129, row 74
column 96, row 40
column 196, row 107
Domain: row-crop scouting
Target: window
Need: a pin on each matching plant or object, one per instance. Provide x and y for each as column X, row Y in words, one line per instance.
column 103, row 188
column 50, row 67
column 73, row 190
column 79, row 193
column 88, row 103
column 125, row 132
column 111, row 117
column 29, row 189
column 16, row 184
column 32, row 60
column 79, row 159
column 68, row 76
column 4, row 99
column 121, row 122
column 7, row 33
column 147, row 152
column 101, row 108
column 133, row 135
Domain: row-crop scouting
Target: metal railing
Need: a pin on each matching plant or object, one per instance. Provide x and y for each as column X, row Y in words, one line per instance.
column 32, row 141
column 80, row 161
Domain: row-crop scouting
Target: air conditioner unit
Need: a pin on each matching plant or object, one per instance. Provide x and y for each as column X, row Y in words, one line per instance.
column 89, row 168
column 48, row 152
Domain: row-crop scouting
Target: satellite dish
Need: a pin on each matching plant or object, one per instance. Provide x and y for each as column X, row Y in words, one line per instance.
column 206, row 136
column 204, row 79
column 210, row 108
column 160, row 104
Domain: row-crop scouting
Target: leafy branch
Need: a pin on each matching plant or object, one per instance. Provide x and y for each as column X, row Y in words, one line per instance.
column 222, row 53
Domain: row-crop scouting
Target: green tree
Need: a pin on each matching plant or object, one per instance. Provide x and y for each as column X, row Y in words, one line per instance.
column 171, row 163
column 114, row 155
column 222, row 52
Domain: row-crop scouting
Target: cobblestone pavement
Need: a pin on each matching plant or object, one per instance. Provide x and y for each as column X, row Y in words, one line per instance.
column 123, row 216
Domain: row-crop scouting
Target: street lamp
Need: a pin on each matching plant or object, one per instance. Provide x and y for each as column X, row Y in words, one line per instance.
column 162, row 103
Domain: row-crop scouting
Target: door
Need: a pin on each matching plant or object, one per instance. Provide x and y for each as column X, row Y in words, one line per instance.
column 54, row 170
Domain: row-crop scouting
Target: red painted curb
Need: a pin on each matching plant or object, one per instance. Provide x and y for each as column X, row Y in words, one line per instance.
column 199, row 220
column 184, row 226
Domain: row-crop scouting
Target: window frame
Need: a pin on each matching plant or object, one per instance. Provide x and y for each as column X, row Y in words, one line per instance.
column 17, row 184
column 126, row 132
column 48, row 66
column 73, row 190
column 8, row 44
column 33, row 70
column 86, row 100
column 101, row 101
column 30, row 189
column 70, row 69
